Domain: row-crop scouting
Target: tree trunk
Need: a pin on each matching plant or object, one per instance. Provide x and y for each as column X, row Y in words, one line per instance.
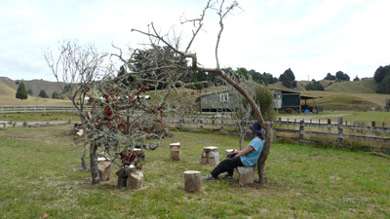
column 264, row 154
column 83, row 164
column 94, row 163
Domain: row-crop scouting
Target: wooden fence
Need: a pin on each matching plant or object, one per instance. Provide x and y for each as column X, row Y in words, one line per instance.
column 321, row 132
column 14, row 109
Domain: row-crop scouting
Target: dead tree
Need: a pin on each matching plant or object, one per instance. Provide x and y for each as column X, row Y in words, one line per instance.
column 222, row 11
column 79, row 67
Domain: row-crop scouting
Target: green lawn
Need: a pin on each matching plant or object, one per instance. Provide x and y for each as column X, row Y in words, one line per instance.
column 37, row 177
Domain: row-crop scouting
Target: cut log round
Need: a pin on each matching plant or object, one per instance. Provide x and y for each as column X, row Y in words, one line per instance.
column 246, row 175
column 104, row 168
column 140, row 154
column 192, row 181
column 134, row 180
column 175, row 151
column 212, row 154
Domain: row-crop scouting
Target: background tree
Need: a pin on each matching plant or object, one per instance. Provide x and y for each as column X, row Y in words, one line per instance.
column 381, row 77
column 30, row 92
column 381, row 72
column 227, row 74
column 384, row 86
column 270, row 78
column 55, row 95
column 341, row 76
column 356, row 78
column 79, row 67
column 288, row 79
column 42, row 93
column 314, row 85
column 21, row 93
column 330, row 77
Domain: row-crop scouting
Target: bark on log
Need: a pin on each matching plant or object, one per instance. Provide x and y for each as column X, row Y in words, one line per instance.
column 246, row 175
column 192, row 181
column 134, row 180
column 104, row 168
column 122, row 178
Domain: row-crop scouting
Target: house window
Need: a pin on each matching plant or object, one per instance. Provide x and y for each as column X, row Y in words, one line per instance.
column 224, row 97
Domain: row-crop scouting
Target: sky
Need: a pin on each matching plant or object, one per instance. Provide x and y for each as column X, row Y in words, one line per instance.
column 312, row 37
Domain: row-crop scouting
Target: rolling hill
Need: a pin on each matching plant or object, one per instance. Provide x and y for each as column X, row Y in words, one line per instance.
column 8, row 89
column 34, row 85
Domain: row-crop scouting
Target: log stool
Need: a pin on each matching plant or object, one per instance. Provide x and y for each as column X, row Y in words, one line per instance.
column 228, row 151
column 246, row 175
column 104, row 167
column 192, row 181
column 210, row 155
column 140, row 154
column 134, row 180
column 175, row 151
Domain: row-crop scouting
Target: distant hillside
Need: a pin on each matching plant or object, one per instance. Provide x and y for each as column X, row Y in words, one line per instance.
column 8, row 91
column 35, row 85
column 367, row 86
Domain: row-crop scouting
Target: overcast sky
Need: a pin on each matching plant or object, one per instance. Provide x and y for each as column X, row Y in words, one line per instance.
column 312, row 37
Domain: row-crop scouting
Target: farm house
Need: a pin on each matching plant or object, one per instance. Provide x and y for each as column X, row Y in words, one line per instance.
column 285, row 100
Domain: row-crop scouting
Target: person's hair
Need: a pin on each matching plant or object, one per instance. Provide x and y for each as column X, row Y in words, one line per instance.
column 260, row 136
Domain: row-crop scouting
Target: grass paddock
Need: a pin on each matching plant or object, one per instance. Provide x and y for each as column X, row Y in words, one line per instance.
column 39, row 175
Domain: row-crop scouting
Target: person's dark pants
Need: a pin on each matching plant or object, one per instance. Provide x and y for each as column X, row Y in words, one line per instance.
column 227, row 165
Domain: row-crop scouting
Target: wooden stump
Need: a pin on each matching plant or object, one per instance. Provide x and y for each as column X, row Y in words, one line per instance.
column 134, row 180
column 104, row 168
column 228, row 151
column 140, row 154
column 212, row 155
column 203, row 158
column 175, row 151
column 122, row 178
column 192, row 181
column 246, row 175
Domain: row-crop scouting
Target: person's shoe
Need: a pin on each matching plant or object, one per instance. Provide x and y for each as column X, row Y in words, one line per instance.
column 209, row 177
column 228, row 176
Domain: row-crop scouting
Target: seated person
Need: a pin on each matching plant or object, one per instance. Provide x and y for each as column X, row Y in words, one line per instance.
column 247, row 157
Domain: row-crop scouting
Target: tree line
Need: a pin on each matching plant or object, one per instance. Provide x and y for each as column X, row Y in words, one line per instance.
column 22, row 92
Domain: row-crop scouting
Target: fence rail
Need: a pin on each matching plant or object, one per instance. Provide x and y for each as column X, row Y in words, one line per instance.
column 297, row 128
column 15, row 109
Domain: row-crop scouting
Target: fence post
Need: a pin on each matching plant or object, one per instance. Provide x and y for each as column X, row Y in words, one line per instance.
column 201, row 123
column 222, row 122
column 329, row 123
column 301, row 128
column 340, row 132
